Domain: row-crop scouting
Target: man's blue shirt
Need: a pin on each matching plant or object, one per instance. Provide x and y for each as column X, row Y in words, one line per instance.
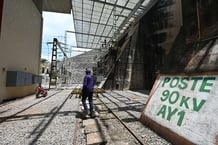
column 88, row 83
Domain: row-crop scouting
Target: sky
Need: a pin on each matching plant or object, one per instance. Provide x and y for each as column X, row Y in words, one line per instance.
column 54, row 26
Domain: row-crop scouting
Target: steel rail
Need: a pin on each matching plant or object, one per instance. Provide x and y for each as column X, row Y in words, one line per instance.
column 117, row 117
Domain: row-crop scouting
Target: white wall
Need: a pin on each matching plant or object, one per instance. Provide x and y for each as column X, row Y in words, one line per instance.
column 20, row 44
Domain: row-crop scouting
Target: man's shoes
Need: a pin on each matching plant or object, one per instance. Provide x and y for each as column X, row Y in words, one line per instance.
column 85, row 115
column 92, row 114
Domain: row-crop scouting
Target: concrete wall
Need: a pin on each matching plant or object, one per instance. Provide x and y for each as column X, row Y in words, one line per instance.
column 20, row 44
column 157, row 31
column 195, row 48
column 72, row 70
column 174, row 38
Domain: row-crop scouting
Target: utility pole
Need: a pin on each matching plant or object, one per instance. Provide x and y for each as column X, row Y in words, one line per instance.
column 53, row 72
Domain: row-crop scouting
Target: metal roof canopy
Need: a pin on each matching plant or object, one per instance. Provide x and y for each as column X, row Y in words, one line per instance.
column 98, row 20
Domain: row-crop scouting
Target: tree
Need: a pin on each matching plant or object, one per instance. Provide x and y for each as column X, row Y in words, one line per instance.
column 43, row 60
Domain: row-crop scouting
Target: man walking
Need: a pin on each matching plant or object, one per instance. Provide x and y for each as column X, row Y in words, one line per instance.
column 87, row 91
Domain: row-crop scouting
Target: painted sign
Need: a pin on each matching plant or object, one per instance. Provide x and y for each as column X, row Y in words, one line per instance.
column 186, row 105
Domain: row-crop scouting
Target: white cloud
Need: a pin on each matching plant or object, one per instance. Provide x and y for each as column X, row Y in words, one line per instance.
column 54, row 26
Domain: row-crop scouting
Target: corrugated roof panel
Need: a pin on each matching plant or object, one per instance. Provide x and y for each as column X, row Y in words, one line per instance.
column 87, row 11
column 87, row 18
column 125, row 13
column 109, row 7
column 110, row 33
column 96, row 39
column 78, row 37
column 100, row 29
column 88, row 4
column 93, row 27
column 86, row 29
column 77, row 4
column 130, row 6
column 121, row 2
column 91, row 38
column 98, row 8
column 111, row 21
column 85, row 37
column 95, row 20
column 118, row 10
column 78, row 15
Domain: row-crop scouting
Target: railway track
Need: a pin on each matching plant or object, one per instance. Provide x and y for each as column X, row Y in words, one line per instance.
column 119, row 112
column 33, row 120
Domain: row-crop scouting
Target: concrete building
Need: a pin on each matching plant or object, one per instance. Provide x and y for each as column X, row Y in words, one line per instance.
column 21, row 25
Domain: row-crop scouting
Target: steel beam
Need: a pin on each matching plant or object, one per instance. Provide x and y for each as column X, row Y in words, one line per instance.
column 88, row 34
column 110, row 4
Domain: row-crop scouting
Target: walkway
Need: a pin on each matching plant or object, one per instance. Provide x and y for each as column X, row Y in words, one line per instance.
column 46, row 121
